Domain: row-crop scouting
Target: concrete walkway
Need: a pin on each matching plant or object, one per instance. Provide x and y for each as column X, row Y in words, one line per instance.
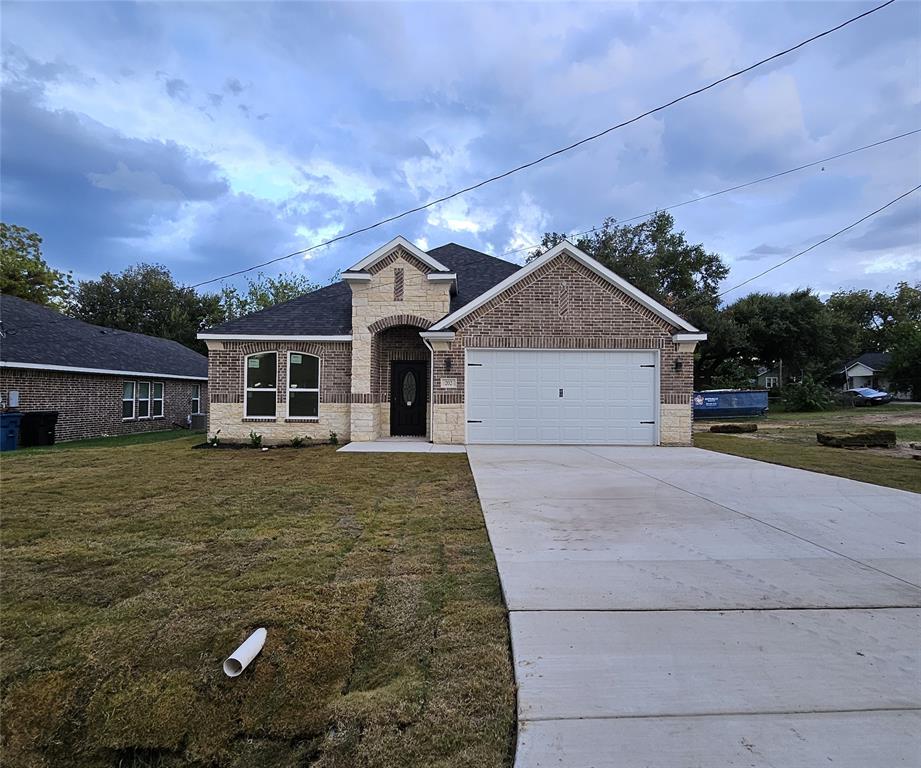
column 673, row 607
column 400, row 446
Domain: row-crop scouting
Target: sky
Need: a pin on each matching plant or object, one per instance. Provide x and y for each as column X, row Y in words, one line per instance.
column 211, row 136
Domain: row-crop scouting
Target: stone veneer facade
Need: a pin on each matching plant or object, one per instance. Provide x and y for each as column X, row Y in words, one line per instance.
column 562, row 305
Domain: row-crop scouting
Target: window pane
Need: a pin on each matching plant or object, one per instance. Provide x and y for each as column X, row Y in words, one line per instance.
column 127, row 409
column 158, row 389
column 143, row 390
column 128, row 390
column 143, row 408
column 304, row 404
column 158, row 407
column 305, row 372
column 260, row 370
column 260, row 403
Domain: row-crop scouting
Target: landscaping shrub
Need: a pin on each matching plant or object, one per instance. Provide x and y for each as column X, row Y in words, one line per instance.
column 255, row 439
column 808, row 395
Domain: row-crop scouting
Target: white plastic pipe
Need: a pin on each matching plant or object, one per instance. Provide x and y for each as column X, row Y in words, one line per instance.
column 248, row 650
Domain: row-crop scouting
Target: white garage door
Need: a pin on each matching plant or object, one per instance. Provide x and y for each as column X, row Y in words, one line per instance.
column 576, row 397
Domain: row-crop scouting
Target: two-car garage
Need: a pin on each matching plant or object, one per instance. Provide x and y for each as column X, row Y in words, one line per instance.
column 562, row 396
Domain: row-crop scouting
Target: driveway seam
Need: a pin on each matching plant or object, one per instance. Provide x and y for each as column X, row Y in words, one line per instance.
column 752, row 517
column 762, row 713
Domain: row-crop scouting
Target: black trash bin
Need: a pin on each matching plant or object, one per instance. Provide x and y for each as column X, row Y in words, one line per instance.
column 37, row 428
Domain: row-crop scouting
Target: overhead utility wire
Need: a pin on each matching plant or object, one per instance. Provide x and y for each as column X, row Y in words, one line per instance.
column 730, row 189
column 816, row 245
column 556, row 152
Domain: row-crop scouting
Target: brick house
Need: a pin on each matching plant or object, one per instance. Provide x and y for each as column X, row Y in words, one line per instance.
column 101, row 381
column 456, row 346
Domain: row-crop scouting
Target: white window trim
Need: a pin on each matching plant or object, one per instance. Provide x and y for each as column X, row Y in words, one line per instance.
column 770, row 382
column 134, row 392
column 289, row 390
column 197, row 411
column 247, row 389
column 161, row 399
column 139, row 399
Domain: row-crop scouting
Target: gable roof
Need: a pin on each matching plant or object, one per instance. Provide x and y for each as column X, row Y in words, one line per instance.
column 563, row 249
column 398, row 242
column 875, row 361
column 327, row 312
column 38, row 337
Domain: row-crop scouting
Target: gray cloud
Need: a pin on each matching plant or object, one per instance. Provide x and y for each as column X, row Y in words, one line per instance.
column 234, row 86
column 177, row 88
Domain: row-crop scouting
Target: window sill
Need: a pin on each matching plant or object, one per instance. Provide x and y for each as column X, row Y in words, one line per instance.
column 128, row 418
column 159, row 417
column 260, row 418
column 302, row 418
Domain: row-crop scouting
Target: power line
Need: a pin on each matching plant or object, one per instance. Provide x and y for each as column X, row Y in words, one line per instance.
column 816, row 245
column 733, row 188
column 554, row 153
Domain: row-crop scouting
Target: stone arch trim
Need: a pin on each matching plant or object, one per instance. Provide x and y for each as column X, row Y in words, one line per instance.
column 389, row 322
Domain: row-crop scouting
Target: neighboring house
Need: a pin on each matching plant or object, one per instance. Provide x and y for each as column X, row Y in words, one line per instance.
column 768, row 378
column 101, row 381
column 867, row 370
column 457, row 346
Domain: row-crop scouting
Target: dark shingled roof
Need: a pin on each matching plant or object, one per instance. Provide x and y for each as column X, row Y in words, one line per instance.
column 877, row 361
column 328, row 311
column 36, row 334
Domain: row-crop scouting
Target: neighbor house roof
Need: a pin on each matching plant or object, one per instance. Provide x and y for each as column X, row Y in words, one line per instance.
column 327, row 313
column 34, row 336
column 875, row 361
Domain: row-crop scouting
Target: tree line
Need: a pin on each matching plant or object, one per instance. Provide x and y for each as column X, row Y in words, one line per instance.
column 811, row 336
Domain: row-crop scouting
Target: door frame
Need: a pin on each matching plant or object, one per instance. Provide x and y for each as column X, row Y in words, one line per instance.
column 658, row 380
column 422, row 390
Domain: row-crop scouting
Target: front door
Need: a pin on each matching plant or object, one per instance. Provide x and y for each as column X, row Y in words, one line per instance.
column 407, row 398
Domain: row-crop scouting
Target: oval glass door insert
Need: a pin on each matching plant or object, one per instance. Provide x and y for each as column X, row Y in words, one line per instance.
column 409, row 388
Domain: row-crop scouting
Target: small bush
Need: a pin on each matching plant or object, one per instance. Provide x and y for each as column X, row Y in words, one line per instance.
column 808, row 395
column 214, row 441
column 333, row 438
column 255, row 439
column 297, row 442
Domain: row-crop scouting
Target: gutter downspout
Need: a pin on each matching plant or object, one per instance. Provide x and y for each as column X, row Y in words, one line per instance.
column 431, row 349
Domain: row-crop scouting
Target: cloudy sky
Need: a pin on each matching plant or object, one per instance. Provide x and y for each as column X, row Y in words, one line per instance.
column 212, row 136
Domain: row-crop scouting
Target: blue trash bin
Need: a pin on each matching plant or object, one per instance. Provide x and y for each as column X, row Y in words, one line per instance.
column 9, row 430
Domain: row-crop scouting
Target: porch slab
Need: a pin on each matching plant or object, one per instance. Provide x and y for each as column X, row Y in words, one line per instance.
column 400, row 446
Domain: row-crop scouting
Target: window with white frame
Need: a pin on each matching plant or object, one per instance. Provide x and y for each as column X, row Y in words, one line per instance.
column 127, row 400
column 196, row 398
column 261, row 375
column 770, row 382
column 157, row 401
column 303, row 386
column 143, row 399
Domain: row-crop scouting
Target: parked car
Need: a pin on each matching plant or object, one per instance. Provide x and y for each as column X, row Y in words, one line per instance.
column 867, row 396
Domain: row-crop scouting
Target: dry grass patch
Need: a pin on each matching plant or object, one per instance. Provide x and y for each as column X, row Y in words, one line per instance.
column 131, row 571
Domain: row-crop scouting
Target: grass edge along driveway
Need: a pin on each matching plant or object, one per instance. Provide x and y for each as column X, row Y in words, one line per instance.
column 130, row 572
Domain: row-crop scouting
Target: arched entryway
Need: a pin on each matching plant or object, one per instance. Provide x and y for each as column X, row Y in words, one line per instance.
column 400, row 380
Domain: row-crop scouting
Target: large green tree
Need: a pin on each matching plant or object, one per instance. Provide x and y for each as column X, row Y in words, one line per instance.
column 25, row 273
column 263, row 292
column 874, row 318
column 146, row 299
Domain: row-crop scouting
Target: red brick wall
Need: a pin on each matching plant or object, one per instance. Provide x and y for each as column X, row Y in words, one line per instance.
column 564, row 305
column 90, row 405
column 225, row 368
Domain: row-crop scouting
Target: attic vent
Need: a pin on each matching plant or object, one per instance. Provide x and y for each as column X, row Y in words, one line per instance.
column 398, row 285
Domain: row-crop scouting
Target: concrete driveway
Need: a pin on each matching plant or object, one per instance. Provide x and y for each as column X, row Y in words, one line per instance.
column 674, row 607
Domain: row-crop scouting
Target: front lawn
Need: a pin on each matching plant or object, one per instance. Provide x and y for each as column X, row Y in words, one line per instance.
column 130, row 572
column 790, row 439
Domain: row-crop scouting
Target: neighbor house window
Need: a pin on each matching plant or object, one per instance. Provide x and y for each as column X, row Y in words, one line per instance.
column 303, row 386
column 143, row 399
column 770, row 382
column 261, row 372
column 196, row 398
column 157, row 410
column 128, row 400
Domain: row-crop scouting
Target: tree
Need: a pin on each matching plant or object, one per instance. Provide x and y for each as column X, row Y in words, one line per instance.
column 145, row 299
column 655, row 258
column 872, row 319
column 263, row 292
column 24, row 272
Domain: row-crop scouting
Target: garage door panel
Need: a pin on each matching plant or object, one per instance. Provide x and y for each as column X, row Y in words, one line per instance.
column 514, row 395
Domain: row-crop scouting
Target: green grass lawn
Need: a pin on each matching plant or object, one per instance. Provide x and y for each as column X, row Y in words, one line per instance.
column 131, row 571
column 140, row 438
column 790, row 439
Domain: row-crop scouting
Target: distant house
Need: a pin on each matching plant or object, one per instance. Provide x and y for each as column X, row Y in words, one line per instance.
column 867, row 370
column 100, row 381
column 768, row 378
